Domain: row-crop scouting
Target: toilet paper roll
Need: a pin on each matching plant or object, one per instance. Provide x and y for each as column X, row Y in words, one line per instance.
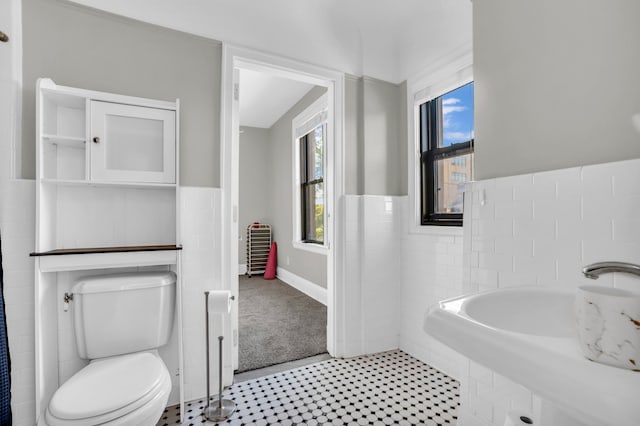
column 219, row 305
column 219, row 301
column 518, row 418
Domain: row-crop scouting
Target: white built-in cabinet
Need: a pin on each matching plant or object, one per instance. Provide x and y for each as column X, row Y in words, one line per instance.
column 86, row 140
column 107, row 199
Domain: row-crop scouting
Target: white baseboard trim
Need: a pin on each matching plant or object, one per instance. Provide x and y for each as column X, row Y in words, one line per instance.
column 301, row 284
column 242, row 268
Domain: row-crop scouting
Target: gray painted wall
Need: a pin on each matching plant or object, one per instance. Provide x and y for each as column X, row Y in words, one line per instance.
column 254, row 185
column 375, row 137
column 80, row 47
column 99, row 51
column 556, row 84
column 402, row 142
column 385, row 151
column 310, row 266
column 353, row 136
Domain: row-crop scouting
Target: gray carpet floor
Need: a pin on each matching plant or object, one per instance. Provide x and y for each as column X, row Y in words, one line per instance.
column 277, row 324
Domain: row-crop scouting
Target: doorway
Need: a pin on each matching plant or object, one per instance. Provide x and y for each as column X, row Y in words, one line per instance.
column 234, row 60
column 283, row 318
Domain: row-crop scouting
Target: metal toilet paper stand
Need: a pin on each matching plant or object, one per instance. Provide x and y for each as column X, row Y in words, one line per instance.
column 223, row 408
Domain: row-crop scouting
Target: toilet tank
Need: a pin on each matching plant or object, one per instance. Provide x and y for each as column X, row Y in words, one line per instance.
column 123, row 313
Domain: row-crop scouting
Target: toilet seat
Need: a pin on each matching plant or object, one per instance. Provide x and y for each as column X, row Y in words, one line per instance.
column 108, row 389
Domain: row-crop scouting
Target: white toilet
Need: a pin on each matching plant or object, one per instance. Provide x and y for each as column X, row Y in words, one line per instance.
column 119, row 320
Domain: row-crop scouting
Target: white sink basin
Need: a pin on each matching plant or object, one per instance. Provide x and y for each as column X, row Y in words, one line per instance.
column 529, row 310
column 528, row 335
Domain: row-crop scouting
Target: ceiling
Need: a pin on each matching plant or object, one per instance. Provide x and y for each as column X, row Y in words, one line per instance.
column 385, row 39
column 265, row 98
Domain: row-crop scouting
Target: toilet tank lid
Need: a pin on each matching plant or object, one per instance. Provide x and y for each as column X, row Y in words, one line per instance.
column 123, row 282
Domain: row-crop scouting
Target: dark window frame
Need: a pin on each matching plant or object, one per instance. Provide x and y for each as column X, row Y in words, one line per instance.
column 430, row 134
column 305, row 184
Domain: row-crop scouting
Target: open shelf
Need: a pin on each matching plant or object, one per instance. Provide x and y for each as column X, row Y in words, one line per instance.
column 79, row 259
column 64, row 98
column 90, row 250
column 67, row 141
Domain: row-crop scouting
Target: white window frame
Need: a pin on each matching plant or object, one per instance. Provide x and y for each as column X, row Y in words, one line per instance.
column 420, row 89
column 302, row 124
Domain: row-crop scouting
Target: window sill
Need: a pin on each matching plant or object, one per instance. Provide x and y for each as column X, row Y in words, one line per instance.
column 311, row 247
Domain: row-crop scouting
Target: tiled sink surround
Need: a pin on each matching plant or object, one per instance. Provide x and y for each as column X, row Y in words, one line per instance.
column 541, row 229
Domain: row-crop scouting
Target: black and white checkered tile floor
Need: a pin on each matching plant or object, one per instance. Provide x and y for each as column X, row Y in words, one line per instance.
column 381, row 389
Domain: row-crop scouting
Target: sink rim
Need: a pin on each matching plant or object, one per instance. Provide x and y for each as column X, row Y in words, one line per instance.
column 609, row 291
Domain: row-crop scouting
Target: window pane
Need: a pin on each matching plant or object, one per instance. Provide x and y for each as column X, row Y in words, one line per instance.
column 457, row 116
column 310, row 156
column 424, row 128
column 303, row 158
column 451, row 174
column 314, row 144
column 318, row 147
column 314, row 213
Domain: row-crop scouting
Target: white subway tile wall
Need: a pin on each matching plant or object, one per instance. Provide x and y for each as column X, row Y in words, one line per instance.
column 532, row 229
column 431, row 270
column 373, row 261
column 541, row 229
column 380, row 264
column 17, row 230
column 200, row 221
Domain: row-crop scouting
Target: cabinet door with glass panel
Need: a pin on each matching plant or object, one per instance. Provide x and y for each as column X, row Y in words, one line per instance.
column 132, row 143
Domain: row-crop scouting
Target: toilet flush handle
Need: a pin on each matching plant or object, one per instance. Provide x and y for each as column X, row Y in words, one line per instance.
column 68, row 297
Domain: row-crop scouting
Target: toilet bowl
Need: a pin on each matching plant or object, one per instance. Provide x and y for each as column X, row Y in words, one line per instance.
column 119, row 320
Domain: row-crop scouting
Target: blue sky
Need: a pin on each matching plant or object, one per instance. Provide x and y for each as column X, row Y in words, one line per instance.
column 457, row 114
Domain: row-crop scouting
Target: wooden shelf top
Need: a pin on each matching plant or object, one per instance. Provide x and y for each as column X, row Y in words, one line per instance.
column 93, row 250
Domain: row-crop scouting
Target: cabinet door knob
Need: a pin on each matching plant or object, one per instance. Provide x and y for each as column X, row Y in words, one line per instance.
column 96, row 139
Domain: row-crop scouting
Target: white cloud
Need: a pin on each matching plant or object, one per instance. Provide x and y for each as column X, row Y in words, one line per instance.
column 449, row 106
column 446, row 110
column 449, row 109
